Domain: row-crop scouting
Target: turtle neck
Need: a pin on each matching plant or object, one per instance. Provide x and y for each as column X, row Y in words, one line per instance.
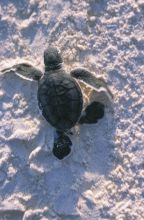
column 53, row 67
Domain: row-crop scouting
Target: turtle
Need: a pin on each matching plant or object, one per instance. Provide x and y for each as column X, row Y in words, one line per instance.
column 65, row 99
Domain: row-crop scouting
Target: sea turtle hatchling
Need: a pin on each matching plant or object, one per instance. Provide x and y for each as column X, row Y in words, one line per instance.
column 65, row 99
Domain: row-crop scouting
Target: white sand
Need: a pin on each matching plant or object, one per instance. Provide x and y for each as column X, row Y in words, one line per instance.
column 103, row 178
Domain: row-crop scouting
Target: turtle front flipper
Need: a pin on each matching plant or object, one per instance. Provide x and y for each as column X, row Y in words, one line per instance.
column 25, row 70
column 96, row 93
column 99, row 89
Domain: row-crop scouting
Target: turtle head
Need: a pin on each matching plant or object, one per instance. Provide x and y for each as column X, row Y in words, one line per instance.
column 52, row 58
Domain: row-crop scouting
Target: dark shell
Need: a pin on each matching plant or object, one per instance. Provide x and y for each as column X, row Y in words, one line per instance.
column 60, row 100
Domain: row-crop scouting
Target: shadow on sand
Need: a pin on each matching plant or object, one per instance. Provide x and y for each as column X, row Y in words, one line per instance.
column 58, row 184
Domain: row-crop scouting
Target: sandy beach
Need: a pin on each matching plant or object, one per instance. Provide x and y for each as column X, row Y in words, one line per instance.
column 103, row 177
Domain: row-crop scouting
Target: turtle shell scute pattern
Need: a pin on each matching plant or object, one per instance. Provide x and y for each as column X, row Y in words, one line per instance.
column 61, row 101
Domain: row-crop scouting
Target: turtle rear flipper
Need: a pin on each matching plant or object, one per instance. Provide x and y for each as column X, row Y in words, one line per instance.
column 62, row 145
column 25, row 70
column 93, row 113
